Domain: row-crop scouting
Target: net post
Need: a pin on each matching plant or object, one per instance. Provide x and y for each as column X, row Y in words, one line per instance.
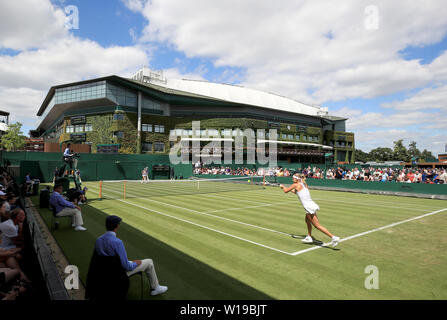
column 100, row 190
column 124, row 189
column 263, row 180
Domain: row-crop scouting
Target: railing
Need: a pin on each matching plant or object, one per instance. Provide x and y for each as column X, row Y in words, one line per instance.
column 54, row 283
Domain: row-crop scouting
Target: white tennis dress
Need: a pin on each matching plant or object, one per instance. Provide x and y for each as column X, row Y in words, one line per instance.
column 307, row 202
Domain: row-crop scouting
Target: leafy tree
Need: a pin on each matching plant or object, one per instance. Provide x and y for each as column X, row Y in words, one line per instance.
column 13, row 139
column 400, row 152
column 361, row 156
column 381, row 154
column 427, row 156
column 413, row 151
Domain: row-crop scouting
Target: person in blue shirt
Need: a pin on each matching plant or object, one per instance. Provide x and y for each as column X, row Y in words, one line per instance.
column 109, row 245
column 66, row 208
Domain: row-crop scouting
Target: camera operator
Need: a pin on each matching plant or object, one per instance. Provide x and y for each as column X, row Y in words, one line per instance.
column 69, row 156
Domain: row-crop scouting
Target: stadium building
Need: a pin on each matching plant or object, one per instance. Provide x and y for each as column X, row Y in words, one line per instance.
column 137, row 115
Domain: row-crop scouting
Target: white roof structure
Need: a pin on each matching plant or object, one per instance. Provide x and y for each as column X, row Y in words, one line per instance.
column 230, row 93
column 3, row 127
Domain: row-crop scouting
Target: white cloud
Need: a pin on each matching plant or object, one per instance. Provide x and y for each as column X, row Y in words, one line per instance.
column 49, row 55
column 134, row 5
column 29, row 24
column 285, row 46
column 67, row 60
column 426, row 99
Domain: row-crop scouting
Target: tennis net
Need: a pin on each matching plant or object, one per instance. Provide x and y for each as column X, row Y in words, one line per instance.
column 122, row 189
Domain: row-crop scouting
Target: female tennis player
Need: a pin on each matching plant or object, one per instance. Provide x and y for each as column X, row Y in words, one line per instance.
column 299, row 187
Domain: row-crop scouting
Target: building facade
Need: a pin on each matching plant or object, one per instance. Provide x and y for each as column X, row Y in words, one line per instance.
column 142, row 114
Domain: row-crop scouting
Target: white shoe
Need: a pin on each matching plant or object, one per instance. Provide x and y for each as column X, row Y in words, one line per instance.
column 159, row 290
column 80, row 228
column 73, row 225
column 308, row 239
column 335, row 241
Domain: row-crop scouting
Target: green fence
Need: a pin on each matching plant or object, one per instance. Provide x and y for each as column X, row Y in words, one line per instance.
column 94, row 167
column 395, row 187
column 373, row 186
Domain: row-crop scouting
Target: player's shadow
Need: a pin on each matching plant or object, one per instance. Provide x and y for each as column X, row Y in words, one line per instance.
column 315, row 242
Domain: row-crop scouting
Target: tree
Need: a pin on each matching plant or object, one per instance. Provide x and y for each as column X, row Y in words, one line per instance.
column 381, row 154
column 413, row 151
column 13, row 139
column 361, row 156
column 400, row 152
column 427, row 156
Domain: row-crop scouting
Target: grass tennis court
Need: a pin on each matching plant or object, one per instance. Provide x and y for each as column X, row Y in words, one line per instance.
column 238, row 244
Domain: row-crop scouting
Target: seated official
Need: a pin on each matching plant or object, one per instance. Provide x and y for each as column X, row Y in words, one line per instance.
column 65, row 208
column 109, row 245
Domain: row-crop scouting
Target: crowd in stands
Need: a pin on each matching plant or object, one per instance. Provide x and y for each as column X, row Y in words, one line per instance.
column 14, row 282
column 406, row 175
column 389, row 174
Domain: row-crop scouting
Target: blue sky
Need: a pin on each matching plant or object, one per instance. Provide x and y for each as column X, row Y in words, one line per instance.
column 389, row 80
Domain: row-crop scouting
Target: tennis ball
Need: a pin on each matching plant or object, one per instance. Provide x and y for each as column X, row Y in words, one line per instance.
column 248, row 180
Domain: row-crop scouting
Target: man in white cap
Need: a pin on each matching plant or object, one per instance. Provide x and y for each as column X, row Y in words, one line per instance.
column 299, row 187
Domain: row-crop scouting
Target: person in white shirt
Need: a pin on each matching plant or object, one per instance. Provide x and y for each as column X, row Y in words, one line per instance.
column 299, row 187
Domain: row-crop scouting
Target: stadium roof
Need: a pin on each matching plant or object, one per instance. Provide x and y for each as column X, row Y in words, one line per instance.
column 228, row 93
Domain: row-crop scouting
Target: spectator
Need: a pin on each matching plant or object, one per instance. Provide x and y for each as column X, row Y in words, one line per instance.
column 11, row 200
column 12, row 230
column 443, row 177
column 65, row 208
column 4, row 214
column 109, row 245
column 29, row 182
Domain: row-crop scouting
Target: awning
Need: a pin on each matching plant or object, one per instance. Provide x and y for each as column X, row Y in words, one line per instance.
column 295, row 143
column 206, row 139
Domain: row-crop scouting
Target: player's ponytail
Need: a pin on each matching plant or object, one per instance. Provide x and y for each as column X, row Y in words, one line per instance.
column 303, row 180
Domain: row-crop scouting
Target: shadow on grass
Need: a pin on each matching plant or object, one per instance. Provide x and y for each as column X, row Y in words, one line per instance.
column 315, row 242
column 186, row 277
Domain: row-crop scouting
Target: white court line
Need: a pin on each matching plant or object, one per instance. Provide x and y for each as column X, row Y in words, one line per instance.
column 369, row 204
column 297, row 252
column 231, row 198
column 201, row 226
column 251, row 207
column 370, row 231
column 207, row 214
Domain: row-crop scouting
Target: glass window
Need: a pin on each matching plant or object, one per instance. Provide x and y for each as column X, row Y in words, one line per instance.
column 159, row 128
column 118, row 116
column 146, row 127
column 227, row 132
column 159, row 147
column 284, row 136
column 147, row 147
column 290, row 136
column 304, row 137
column 213, row 132
column 260, row 134
column 88, row 127
column 69, row 129
column 118, row 134
column 79, row 128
